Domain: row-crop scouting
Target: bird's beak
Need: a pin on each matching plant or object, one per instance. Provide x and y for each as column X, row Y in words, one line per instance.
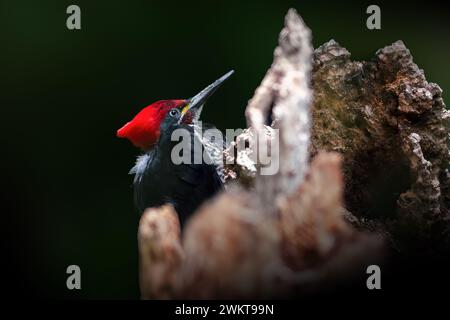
column 195, row 103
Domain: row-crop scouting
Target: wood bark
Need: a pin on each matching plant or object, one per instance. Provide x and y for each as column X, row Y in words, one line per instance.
column 363, row 160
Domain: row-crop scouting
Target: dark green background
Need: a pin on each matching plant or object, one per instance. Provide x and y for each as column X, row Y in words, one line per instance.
column 66, row 194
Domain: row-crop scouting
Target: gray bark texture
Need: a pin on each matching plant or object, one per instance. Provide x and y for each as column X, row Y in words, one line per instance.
column 391, row 126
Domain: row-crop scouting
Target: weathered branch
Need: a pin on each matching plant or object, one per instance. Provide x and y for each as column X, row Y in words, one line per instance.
column 285, row 95
column 160, row 252
column 383, row 175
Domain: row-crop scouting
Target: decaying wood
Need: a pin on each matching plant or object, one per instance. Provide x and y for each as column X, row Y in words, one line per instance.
column 318, row 221
column 311, row 220
column 391, row 125
column 285, row 95
column 317, row 243
column 232, row 251
column 160, row 252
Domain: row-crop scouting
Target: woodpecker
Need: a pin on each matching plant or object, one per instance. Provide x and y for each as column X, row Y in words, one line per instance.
column 157, row 179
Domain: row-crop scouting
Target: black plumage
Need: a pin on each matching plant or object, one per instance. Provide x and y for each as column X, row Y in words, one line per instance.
column 158, row 180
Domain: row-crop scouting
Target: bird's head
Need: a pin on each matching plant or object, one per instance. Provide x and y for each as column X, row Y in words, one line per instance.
column 144, row 130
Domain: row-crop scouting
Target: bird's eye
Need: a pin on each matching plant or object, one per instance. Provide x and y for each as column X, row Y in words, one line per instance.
column 174, row 112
